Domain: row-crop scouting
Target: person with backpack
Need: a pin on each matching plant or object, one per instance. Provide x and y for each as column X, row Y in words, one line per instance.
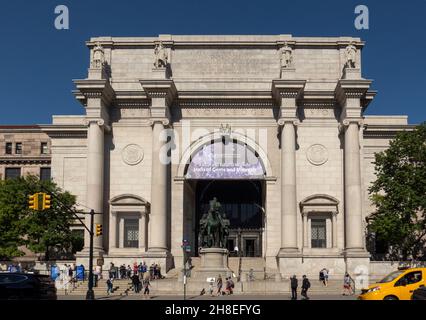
column 305, row 287
column 294, row 284
column 110, row 286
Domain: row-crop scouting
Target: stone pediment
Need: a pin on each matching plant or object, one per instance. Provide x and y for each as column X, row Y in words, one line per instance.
column 128, row 200
column 319, row 203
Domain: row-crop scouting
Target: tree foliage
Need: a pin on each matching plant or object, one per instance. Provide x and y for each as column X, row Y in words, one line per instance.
column 40, row 231
column 399, row 195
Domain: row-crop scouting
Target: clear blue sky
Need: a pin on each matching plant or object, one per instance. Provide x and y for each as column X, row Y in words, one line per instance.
column 38, row 62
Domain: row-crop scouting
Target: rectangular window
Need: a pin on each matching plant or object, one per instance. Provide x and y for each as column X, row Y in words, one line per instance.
column 13, row 173
column 131, row 233
column 8, row 149
column 43, row 148
column 18, row 148
column 318, row 233
column 44, row 174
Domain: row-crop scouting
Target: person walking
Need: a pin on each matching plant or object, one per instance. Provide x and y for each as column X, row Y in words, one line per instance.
column 347, row 286
column 146, row 285
column 136, row 283
column 294, row 284
column 211, row 287
column 324, row 273
column 219, row 284
column 110, row 285
column 305, row 287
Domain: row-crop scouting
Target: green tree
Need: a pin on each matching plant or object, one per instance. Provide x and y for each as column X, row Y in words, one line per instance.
column 399, row 195
column 40, row 231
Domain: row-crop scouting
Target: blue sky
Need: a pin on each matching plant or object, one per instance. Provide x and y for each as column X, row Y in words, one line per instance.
column 38, row 62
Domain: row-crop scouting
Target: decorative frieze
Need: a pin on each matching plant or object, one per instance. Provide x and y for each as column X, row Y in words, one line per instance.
column 223, row 112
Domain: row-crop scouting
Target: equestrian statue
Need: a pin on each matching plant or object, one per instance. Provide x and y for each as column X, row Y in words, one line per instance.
column 214, row 227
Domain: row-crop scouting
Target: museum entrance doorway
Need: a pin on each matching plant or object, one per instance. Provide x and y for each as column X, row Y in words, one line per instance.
column 242, row 201
column 232, row 171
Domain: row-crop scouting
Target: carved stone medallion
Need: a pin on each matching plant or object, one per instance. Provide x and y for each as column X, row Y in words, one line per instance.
column 132, row 154
column 317, row 154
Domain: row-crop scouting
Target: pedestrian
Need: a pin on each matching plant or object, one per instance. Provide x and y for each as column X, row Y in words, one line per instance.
column 219, row 284
column 111, row 270
column 294, row 285
column 347, row 286
column 110, row 286
column 140, row 274
column 144, row 269
column 211, row 289
column 324, row 273
column 305, row 287
column 135, row 268
column 232, row 285
column 135, row 282
column 146, row 286
column 129, row 272
column 227, row 286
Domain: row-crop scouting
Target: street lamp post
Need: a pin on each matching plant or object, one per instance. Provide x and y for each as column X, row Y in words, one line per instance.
column 185, row 248
column 90, row 295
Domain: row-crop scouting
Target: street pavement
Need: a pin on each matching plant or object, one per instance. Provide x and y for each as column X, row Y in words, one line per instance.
column 221, row 298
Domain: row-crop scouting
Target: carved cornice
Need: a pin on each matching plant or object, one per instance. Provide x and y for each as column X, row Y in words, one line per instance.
column 231, row 103
column 160, row 89
column 287, row 89
column 351, row 89
column 25, row 160
column 94, row 89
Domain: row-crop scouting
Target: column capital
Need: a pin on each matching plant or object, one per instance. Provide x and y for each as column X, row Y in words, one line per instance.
column 164, row 121
column 344, row 124
column 100, row 122
column 283, row 121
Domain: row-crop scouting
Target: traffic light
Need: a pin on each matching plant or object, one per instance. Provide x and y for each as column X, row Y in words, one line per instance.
column 98, row 230
column 46, row 201
column 33, row 201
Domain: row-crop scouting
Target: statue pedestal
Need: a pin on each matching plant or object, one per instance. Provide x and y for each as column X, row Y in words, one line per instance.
column 214, row 262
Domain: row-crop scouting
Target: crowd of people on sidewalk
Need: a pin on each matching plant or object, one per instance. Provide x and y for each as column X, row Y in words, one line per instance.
column 140, row 276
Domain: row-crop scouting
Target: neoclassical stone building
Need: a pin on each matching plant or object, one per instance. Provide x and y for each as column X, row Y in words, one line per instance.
column 273, row 126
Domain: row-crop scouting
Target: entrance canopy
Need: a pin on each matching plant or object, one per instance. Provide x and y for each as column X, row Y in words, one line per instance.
column 225, row 160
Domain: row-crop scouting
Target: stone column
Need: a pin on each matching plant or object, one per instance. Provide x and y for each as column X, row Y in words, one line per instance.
column 113, row 231
column 288, row 187
column 162, row 93
column 353, row 195
column 305, row 230
column 95, row 176
column 143, row 234
column 159, row 191
column 334, row 225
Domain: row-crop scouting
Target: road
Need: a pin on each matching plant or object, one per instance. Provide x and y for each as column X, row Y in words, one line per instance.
column 222, row 298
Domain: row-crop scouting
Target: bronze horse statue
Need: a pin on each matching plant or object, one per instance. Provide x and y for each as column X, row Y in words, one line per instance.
column 214, row 227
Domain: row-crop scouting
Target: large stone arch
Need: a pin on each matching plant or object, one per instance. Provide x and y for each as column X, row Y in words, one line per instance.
column 214, row 136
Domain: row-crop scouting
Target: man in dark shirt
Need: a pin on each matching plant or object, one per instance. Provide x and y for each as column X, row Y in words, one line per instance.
column 305, row 286
column 293, row 284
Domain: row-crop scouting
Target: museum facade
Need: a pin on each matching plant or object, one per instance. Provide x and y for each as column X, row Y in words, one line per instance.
column 272, row 126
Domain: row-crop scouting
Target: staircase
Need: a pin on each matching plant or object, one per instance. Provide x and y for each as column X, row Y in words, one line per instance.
column 121, row 287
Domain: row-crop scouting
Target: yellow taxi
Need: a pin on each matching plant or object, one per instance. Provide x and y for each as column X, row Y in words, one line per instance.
column 398, row 285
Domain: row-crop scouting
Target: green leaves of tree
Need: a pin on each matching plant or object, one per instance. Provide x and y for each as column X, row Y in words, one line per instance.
column 38, row 230
column 399, row 194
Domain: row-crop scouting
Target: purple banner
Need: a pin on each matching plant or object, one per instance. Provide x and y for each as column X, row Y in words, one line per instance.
column 230, row 161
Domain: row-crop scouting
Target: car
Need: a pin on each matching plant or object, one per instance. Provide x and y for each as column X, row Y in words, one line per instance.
column 18, row 286
column 419, row 294
column 398, row 285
